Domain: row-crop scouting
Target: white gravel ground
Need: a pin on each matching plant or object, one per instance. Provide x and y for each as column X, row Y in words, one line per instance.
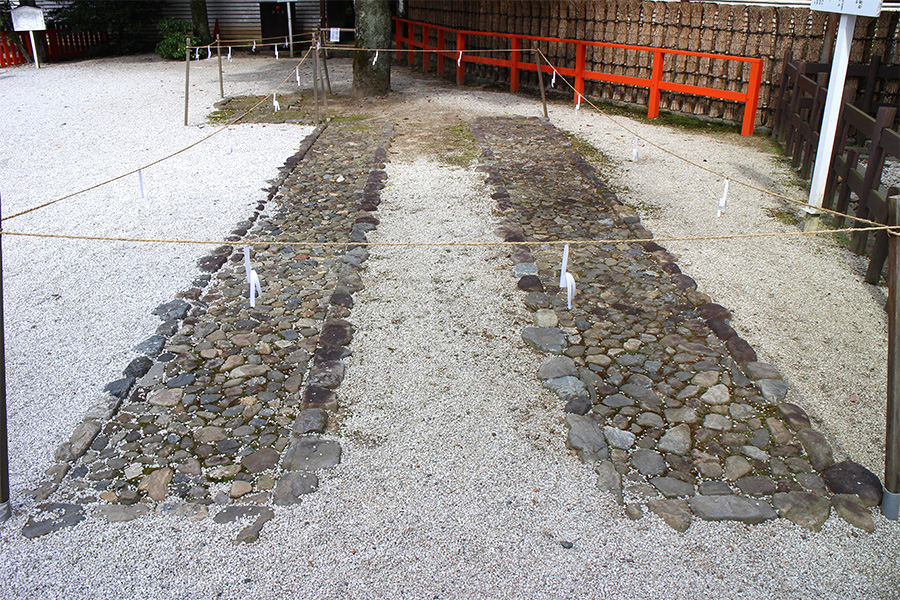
column 428, row 502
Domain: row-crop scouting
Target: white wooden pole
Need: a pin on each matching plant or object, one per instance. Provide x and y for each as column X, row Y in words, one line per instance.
column 832, row 109
column 290, row 29
column 34, row 51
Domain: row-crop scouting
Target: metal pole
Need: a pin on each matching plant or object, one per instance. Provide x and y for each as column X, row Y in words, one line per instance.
column 890, row 502
column 5, row 510
column 187, row 75
column 541, row 85
column 219, row 56
column 290, row 30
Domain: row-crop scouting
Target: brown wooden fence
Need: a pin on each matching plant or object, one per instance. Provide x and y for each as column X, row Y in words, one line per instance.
column 753, row 31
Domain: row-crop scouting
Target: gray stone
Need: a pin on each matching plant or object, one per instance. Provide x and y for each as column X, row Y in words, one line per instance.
column 731, row 508
column 618, row 438
column 760, row 370
column 544, row 317
column 522, row 269
column 311, row 453
column 248, row 371
column 634, row 512
column 817, row 448
column 717, row 394
column 741, row 412
column 578, row 406
column 152, row 346
column 120, row 387
column 261, row 460
column 681, row 415
column 779, row 432
column 292, row 485
column 82, row 437
column 156, row 483
column 714, row 488
column 649, row 419
column 556, row 367
column 167, row 397
column 755, row 453
column 586, row 439
column 117, row 513
column 641, row 394
column 804, row 509
column 648, row 462
column 736, row 467
column 206, row 435
column 138, row 367
column 310, row 420
column 706, row 379
column 174, row 309
column 567, row 388
column 717, row 422
column 676, row 440
column 617, row 401
column 794, row 416
column 536, row 300
column 103, row 410
column 250, row 533
column 848, row 477
column 675, row 513
column 810, row 482
column 59, row 515
column 773, row 390
column 756, row 486
column 549, row 340
column 671, row 487
column 851, row 509
column 609, row 480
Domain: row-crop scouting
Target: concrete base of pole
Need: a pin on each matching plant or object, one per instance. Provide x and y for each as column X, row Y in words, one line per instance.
column 6, row 511
column 890, row 505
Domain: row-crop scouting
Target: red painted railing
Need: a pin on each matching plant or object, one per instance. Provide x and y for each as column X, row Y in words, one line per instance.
column 60, row 44
column 9, row 53
column 654, row 83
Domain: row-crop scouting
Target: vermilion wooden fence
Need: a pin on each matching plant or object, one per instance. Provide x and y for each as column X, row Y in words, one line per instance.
column 655, row 83
column 60, row 44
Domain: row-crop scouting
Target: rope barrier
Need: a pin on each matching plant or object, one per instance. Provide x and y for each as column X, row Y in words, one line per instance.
column 805, row 206
column 893, row 230
column 164, row 158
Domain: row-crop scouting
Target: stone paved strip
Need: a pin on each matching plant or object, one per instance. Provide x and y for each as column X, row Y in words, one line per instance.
column 651, row 372
column 225, row 391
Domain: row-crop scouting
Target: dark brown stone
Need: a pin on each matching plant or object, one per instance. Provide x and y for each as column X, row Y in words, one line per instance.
column 531, row 283
column 711, row 311
column 261, row 460
column 794, row 416
column 848, row 477
column 723, row 330
column 740, row 350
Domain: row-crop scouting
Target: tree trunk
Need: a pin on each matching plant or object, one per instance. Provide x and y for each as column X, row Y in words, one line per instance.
column 373, row 30
column 201, row 21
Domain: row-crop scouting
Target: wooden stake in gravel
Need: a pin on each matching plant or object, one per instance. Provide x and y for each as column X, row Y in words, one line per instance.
column 187, row 75
column 219, row 56
column 891, row 500
column 540, row 74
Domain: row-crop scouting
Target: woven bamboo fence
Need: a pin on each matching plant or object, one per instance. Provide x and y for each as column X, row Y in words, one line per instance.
column 754, row 31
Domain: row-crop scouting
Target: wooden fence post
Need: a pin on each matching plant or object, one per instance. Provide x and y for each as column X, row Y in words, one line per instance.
column 219, row 57
column 580, row 53
column 187, row 76
column 515, row 55
column 891, row 499
column 655, row 80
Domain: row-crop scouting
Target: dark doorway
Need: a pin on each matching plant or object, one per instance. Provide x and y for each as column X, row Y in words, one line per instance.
column 273, row 20
column 339, row 13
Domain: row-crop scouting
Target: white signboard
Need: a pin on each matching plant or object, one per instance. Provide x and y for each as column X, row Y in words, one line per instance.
column 28, row 18
column 335, row 35
column 860, row 8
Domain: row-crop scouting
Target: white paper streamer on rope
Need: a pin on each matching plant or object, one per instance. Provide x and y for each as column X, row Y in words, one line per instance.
column 562, row 269
column 208, row 53
column 144, row 195
column 459, row 60
column 570, row 289
column 229, row 53
column 723, row 200
column 254, row 287
column 578, row 103
column 253, row 49
column 228, row 141
column 247, row 263
column 634, row 152
column 276, row 52
column 374, row 60
column 297, row 74
column 553, row 79
column 275, row 102
column 318, row 45
column 196, row 53
column 285, row 42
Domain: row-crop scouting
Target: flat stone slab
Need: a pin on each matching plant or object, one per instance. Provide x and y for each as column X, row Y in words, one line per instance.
column 556, row 367
column 804, row 509
column 567, row 388
column 117, row 513
column 311, row 453
column 59, row 515
column 675, row 513
column 586, row 439
column 848, row 477
column 310, row 420
column 548, row 340
column 292, row 485
column 671, row 487
column 261, row 460
column 851, row 509
column 731, row 508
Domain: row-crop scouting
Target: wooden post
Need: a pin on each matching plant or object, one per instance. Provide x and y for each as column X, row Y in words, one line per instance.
column 316, row 84
column 752, row 102
column 219, row 56
column 319, row 78
column 187, row 76
column 892, row 435
column 327, row 78
column 461, row 63
column 514, row 68
column 655, row 79
column 290, row 30
column 5, row 510
column 540, row 72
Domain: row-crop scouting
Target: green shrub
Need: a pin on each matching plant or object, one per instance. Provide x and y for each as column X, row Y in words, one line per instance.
column 173, row 32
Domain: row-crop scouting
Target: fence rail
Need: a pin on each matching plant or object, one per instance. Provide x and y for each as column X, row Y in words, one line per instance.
column 517, row 44
column 60, row 45
column 766, row 32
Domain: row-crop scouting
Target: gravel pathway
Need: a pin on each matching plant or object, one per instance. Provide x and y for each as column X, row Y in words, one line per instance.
column 455, row 480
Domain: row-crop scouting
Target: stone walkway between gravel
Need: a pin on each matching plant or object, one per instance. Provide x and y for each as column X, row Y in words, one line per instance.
column 230, row 404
